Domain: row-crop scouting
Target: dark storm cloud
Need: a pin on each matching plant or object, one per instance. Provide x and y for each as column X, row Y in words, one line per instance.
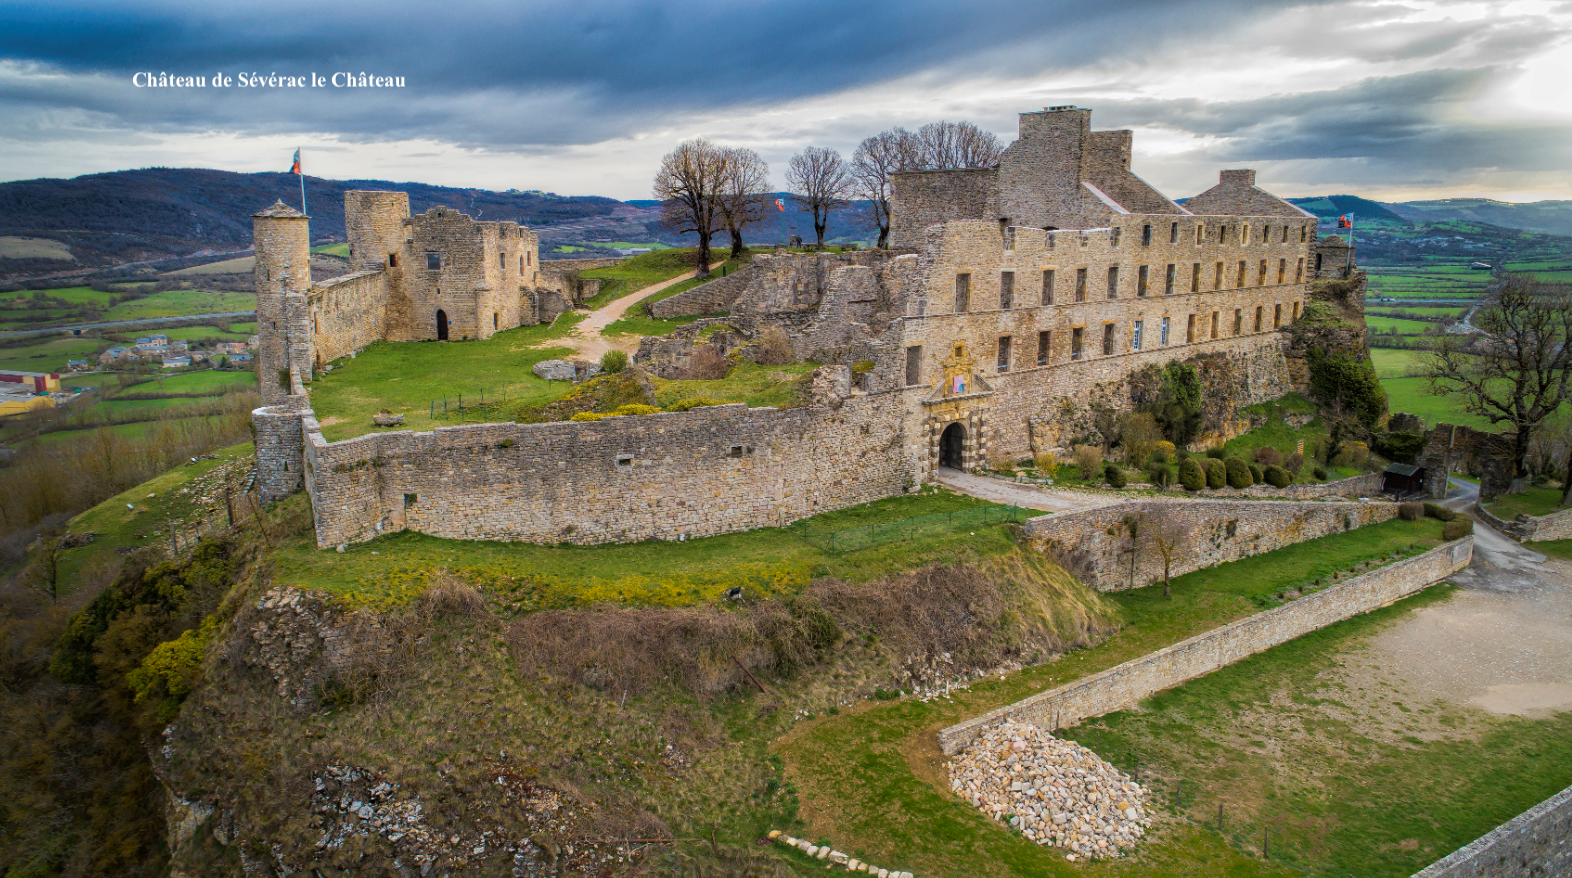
column 540, row 75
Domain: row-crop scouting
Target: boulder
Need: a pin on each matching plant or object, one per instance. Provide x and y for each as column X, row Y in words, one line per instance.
column 555, row 370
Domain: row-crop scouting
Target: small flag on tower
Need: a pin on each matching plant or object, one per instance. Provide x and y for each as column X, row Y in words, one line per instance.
column 295, row 169
column 780, row 205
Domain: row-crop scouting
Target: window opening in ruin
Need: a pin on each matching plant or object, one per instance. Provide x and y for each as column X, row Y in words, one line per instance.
column 1282, row 270
column 442, row 325
column 494, row 319
column 1007, row 290
column 1296, row 310
column 1135, row 335
column 1009, row 237
column 1146, row 236
column 952, row 446
column 1243, row 275
column 502, row 261
column 913, row 365
column 316, row 325
column 1217, row 277
column 1258, row 318
column 1108, row 339
column 1113, row 282
column 963, row 292
column 625, row 461
column 1173, row 233
column 1232, row 528
column 1214, row 324
column 1195, row 277
column 521, row 264
column 1299, row 272
column 1244, row 234
column 734, row 451
column 1076, row 335
column 1200, row 233
column 433, row 261
column 1277, row 315
column 1318, row 263
column 1238, row 321
column 1189, row 332
column 392, row 260
column 1303, row 233
column 1141, row 280
column 411, row 499
column 1044, row 343
column 1285, row 234
column 1113, row 236
column 1050, row 240
column 1004, row 353
column 529, row 258
column 1168, row 283
column 1260, row 278
column 1080, row 285
column 1163, row 338
column 1048, row 286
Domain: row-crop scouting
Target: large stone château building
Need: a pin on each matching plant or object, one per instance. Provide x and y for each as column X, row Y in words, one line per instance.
column 1016, row 303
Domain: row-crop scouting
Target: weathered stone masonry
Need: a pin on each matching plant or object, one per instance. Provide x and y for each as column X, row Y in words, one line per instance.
column 1537, row 842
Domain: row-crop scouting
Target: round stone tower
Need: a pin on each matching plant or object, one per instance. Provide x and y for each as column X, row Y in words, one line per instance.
column 282, row 237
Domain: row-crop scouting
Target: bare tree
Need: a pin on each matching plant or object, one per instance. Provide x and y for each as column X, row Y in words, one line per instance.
column 947, row 145
column 688, row 185
column 1518, row 371
column 744, row 185
column 875, row 160
column 818, row 181
column 1170, row 535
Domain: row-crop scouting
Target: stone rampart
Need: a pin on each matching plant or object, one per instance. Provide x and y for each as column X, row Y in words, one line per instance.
column 347, row 313
column 580, row 264
column 279, row 447
column 1098, row 544
column 708, row 298
column 1122, row 687
column 1555, row 526
column 1367, row 485
column 1536, row 842
column 622, row 479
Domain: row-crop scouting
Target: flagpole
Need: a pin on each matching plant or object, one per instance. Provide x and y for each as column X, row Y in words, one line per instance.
column 302, row 175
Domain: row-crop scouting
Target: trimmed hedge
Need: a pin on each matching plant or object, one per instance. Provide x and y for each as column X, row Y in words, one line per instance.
column 1457, row 528
column 1238, row 473
column 1216, row 473
column 1191, row 476
column 1439, row 512
column 1411, row 511
column 1277, row 477
column 1114, row 474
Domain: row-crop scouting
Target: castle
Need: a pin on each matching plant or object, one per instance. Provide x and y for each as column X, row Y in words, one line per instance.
column 1014, row 304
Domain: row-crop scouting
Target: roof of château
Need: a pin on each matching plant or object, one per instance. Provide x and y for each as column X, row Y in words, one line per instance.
column 280, row 210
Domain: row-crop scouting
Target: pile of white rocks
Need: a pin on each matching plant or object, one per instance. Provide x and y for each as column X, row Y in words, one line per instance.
column 1055, row 792
column 834, row 858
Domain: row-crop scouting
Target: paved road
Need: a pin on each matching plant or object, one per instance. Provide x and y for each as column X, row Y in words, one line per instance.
column 1500, row 563
column 146, row 321
column 1029, row 496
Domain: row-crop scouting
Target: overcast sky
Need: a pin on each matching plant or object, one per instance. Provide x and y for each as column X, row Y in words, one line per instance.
column 1393, row 99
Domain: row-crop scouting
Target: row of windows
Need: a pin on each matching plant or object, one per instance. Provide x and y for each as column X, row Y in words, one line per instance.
column 1196, row 330
column 434, row 261
column 1240, row 233
column 1143, row 281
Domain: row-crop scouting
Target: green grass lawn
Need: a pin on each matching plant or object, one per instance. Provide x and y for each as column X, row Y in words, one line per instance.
column 405, row 377
column 641, row 271
column 341, row 250
column 210, row 381
column 635, row 323
column 74, row 295
column 1397, row 309
column 872, row 779
column 51, row 355
column 1385, row 325
column 1412, row 395
column 1533, row 501
column 749, row 382
column 205, row 333
column 138, row 430
column 521, row 576
column 1390, row 363
column 182, row 303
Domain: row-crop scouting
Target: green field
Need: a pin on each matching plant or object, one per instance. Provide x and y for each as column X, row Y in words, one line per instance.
column 74, row 295
column 1397, row 309
column 871, row 780
column 240, row 265
column 197, row 382
column 139, row 430
column 1412, row 395
column 1391, row 363
column 1424, row 282
column 1385, row 325
column 50, row 356
column 201, row 333
column 341, row 250
column 406, row 377
column 182, row 303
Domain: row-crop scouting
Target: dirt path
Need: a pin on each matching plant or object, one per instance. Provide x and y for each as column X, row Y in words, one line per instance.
column 1029, row 496
column 587, row 340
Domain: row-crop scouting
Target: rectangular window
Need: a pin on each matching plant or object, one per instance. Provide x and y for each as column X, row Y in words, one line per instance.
column 1113, row 282
column 521, row 265
column 1217, row 277
column 1168, row 284
column 1260, row 275
column 1163, row 338
column 1048, row 286
column 1189, row 332
column 1113, row 236
column 1277, row 315
column 1303, row 231
column 1296, row 310
column 1258, row 318
column 411, row 499
column 1244, row 234
column 1135, row 335
column 1214, row 324
column 502, row 262
column 1285, row 234
column 1108, row 339
column 433, row 261
column 1141, row 280
column 1007, row 290
column 1080, row 285
column 1076, row 335
column 1004, row 353
column 1282, row 268
column 913, row 365
column 963, row 292
column 1238, row 321
column 1173, row 234
column 1243, row 275
column 1044, row 345
column 1200, row 233
column 1195, row 277
column 1299, row 272
column 1146, row 236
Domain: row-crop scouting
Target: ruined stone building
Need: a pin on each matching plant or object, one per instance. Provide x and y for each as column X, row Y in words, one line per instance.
column 1016, row 303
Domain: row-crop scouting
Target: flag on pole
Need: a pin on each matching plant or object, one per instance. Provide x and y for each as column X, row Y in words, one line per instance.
column 780, row 205
column 296, row 168
column 1344, row 223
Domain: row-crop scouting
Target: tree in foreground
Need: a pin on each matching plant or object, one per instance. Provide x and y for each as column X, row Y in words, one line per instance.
column 688, row 185
column 1518, row 371
column 876, row 158
column 818, row 181
column 1169, row 535
column 742, row 194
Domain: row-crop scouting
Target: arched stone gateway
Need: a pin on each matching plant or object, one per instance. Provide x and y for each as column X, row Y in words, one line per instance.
column 442, row 325
column 952, row 447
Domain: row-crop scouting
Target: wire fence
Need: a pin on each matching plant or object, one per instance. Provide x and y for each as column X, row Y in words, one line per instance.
column 458, row 402
column 869, row 535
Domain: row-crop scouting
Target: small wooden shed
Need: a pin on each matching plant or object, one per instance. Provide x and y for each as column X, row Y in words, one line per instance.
column 1403, row 479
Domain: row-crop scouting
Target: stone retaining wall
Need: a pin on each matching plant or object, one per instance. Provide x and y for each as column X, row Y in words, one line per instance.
column 1097, row 542
column 1555, row 526
column 1367, row 485
column 1124, row 686
column 1536, row 842
column 706, row 298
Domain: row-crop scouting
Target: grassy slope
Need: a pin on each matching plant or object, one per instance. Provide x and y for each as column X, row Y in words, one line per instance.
column 523, row 576
column 637, row 273
column 750, row 383
column 1534, row 501
column 406, row 377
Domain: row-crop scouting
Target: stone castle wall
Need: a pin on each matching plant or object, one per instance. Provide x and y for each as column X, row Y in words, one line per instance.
column 1097, row 542
column 662, row 476
column 1122, row 687
column 925, row 198
column 713, row 297
column 283, row 260
column 348, row 313
column 1536, row 842
column 280, row 447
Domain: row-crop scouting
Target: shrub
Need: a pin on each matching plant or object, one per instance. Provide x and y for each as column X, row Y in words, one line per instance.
column 1216, row 473
column 1191, row 476
column 1277, row 477
column 1294, row 463
column 587, row 416
column 1400, row 446
column 1047, row 463
column 613, row 361
column 1439, row 512
column 1217, row 453
column 1411, row 511
column 773, row 348
column 683, row 405
column 636, row 408
column 1166, row 449
column 1177, row 406
column 1090, row 460
column 1319, row 473
column 1353, row 454
column 1339, row 379
column 1139, row 434
column 1257, row 474
column 1266, row 455
column 1113, row 473
column 1238, row 473
column 1457, row 528
column 1159, row 474
column 707, row 364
